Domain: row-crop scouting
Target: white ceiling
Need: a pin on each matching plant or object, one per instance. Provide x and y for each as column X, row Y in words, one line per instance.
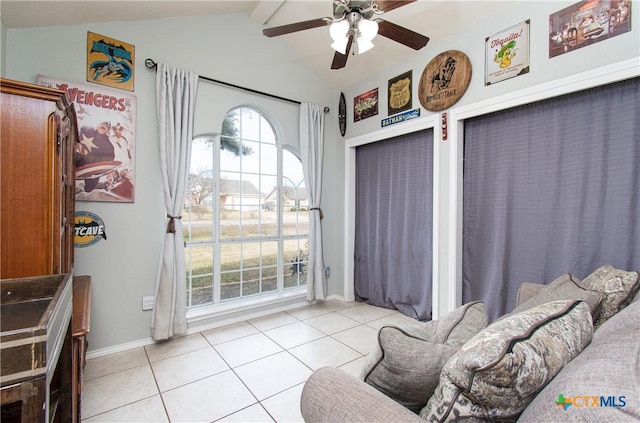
column 435, row 19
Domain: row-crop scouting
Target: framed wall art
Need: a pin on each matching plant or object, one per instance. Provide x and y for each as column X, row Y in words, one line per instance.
column 110, row 62
column 400, row 93
column 365, row 105
column 105, row 151
column 507, row 54
column 587, row 22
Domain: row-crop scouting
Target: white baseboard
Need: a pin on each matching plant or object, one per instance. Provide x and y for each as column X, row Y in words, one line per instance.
column 200, row 328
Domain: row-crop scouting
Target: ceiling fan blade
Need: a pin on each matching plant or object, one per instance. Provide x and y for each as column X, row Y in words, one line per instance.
column 402, row 35
column 339, row 59
column 387, row 5
column 295, row 27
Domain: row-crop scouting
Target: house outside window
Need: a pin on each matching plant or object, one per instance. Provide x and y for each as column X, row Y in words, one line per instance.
column 245, row 215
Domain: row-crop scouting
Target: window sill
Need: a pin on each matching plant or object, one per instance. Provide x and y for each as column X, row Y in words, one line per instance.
column 247, row 308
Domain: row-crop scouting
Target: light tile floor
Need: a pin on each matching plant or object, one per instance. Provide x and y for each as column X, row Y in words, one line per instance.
column 252, row 371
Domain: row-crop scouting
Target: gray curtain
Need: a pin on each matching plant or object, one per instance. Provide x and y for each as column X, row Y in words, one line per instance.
column 312, row 146
column 393, row 228
column 551, row 188
column 175, row 97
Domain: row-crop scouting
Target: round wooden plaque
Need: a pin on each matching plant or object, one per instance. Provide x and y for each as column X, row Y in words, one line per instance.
column 444, row 80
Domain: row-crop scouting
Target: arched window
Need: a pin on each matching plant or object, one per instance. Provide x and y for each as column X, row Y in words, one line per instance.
column 246, row 214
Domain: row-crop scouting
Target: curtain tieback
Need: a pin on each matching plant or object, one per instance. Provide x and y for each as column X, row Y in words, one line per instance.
column 320, row 210
column 171, row 226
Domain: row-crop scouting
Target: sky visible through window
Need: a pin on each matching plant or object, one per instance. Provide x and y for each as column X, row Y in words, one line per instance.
column 202, row 158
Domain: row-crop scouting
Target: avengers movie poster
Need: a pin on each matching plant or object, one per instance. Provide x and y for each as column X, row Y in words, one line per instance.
column 105, row 151
column 110, row 62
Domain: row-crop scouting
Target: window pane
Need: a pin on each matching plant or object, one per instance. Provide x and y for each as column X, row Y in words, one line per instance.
column 230, row 285
column 250, row 124
column 269, row 278
column 199, row 267
column 267, row 134
column 269, row 160
column 229, row 160
column 296, row 257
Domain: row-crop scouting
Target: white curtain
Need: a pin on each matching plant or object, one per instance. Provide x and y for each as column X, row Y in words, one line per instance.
column 311, row 143
column 175, row 97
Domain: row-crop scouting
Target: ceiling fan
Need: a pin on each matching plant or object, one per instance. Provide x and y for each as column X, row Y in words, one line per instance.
column 357, row 20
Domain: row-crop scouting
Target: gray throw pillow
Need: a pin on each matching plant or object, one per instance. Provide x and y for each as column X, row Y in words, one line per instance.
column 608, row 368
column 565, row 287
column 618, row 288
column 406, row 363
column 496, row 374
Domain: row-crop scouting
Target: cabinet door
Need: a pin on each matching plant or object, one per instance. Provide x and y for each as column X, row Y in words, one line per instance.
column 35, row 205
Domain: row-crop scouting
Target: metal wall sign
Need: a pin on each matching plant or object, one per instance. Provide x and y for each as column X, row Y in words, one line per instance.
column 89, row 229
column 402, row 117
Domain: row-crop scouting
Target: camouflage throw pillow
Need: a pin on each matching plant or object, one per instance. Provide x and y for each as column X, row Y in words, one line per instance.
column 496, row 374
column 617, row 287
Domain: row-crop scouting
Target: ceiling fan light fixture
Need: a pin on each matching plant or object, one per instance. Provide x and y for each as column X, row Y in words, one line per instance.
column 338, row 30
column 364, row 45
column 340, row 45
column 368, row 29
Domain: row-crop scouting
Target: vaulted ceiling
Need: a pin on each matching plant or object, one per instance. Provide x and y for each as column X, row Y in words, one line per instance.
column 435, row 19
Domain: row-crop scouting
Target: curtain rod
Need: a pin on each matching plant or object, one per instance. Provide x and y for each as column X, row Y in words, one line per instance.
column 152, row 65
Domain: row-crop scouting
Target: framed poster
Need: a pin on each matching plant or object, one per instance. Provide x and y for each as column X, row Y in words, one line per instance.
column 400, row 93
column 587, row 22
column 110, row 62
column 365, row 105
column 507, row 54
column 105, row 151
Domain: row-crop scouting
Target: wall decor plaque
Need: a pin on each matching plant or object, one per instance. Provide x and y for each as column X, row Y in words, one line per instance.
column 400, row 93
column 342, row 115
column 110, row 62
column 444, row 80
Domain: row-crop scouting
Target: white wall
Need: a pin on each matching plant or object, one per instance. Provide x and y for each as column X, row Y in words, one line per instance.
column 447, row 154
column 228, row 48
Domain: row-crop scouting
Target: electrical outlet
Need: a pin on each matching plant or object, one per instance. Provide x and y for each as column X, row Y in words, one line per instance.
column 148, row 302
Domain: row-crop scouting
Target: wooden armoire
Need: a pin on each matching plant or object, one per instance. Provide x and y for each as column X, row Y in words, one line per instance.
column 38, row 133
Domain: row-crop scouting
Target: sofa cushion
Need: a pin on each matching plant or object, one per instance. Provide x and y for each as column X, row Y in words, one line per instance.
column 565, row 287
column 609, row 369
column 618, row 288
column 406, row 363
column 499, row 371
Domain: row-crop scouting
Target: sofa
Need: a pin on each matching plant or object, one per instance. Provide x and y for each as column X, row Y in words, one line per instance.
column 568, row 352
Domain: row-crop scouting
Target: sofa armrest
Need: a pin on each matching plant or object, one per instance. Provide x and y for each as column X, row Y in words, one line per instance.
column 332, row 395
column 527, row 290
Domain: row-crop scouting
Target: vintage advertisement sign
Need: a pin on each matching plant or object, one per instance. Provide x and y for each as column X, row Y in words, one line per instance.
column 400, row 93
column 507, row 54
column 587, row 22
column 110, row 62
column 89, row 229
column 402, row 117
column 365, row 105
column 444, row 80
column 105, row 152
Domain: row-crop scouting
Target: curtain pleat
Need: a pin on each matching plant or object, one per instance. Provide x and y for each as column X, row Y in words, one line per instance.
column 393, row 229
column 312, row 145
column 176, row 94
column 551, row 188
